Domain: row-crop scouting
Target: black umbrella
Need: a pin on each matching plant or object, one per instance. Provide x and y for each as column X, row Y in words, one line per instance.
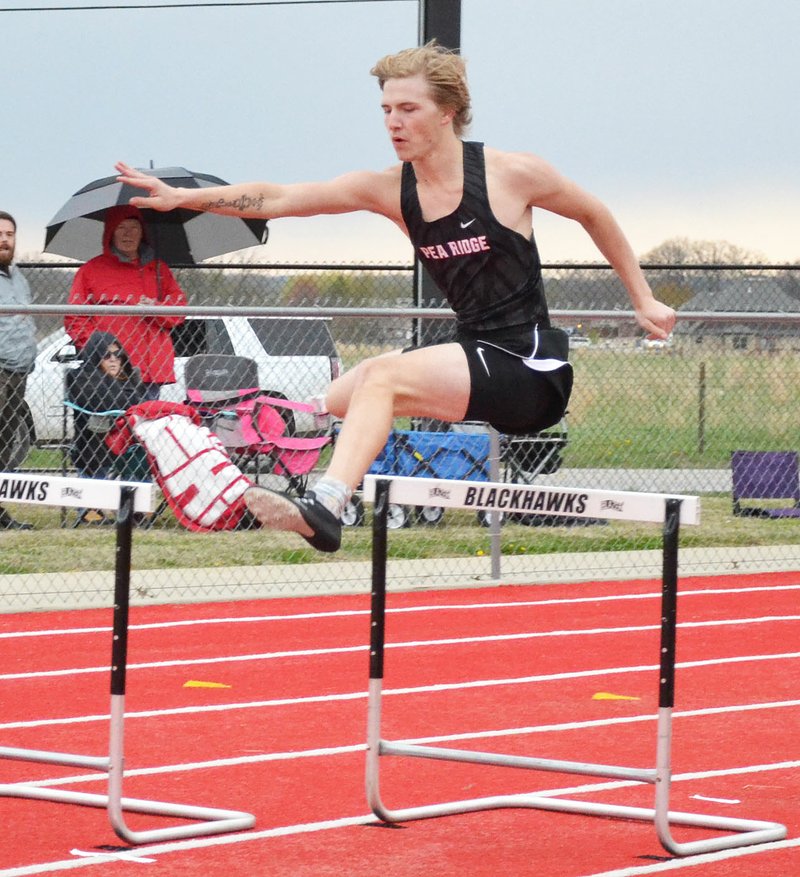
column 179, row 237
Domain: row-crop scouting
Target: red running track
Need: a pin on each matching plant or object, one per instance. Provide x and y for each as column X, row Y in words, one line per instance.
column 278, row 728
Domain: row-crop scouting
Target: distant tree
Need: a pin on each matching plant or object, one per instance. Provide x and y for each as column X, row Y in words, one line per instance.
column 676, row 287
column 303, row 291
column 684, row 251
column 202, row 287
column 355, row 289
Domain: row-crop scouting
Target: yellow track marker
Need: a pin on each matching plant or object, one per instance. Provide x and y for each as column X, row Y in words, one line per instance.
column 194, row 683
column 604, row 695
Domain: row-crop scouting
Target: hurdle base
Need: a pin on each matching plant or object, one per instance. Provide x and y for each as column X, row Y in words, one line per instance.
column 748, row 831
column 205, row 820
column 740, row 832
column 213, row 821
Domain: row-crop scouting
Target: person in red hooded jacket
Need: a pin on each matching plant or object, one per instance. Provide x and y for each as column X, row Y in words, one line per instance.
column 128, row 273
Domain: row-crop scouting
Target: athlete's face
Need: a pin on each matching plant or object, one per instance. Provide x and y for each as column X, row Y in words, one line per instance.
column 414, row 121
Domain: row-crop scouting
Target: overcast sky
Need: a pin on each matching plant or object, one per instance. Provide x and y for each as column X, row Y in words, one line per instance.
column 680, row 114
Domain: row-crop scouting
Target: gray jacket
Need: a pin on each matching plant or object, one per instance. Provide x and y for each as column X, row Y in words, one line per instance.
column 17, row 331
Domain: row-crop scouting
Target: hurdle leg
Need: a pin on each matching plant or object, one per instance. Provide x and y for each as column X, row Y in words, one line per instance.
column 211, row 820
column 207, row 820
column 746, row 832
column 376, row 645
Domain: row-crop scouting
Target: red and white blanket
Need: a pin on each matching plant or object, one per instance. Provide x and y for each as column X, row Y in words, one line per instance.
column 202, row 485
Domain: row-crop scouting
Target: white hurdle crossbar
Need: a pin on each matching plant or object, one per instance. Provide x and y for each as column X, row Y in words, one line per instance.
column 125, row 498
column 670, row 511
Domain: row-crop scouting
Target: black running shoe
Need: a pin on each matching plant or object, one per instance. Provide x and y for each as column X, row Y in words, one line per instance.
column 304, row 515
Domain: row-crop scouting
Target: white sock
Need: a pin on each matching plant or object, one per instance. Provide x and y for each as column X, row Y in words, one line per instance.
column 333, row 494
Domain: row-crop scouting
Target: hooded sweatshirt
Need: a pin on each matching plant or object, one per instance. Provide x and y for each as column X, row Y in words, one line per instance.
column 92, row 389
column 111, row 279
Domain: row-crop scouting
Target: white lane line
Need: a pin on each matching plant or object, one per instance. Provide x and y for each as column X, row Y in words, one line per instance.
column 347, row 613
column 409, row 644
column 439, row 738
column 421, row 689
column 196, row 843
column 696, row 861
column 348, row 822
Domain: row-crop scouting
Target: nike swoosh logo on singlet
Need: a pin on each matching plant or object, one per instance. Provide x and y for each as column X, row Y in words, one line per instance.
column 479, row 351
column 467, row 224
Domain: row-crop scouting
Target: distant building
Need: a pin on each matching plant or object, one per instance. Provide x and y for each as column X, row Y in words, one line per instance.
column 750, row 295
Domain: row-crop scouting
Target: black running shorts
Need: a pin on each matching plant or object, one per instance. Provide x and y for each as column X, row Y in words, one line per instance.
column 514, row 398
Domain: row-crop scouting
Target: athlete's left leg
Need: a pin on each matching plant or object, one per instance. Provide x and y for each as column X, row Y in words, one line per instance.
column 426, row 382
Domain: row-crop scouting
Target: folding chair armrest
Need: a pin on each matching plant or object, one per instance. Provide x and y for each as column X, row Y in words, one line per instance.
column 114, row 412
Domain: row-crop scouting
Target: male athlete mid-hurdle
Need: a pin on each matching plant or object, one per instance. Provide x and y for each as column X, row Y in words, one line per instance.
column 468, row 211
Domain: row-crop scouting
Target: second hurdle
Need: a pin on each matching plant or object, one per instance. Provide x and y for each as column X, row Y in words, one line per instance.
column 124, row 498
column 670, row 512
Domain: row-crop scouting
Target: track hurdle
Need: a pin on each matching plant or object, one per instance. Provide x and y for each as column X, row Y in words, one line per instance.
column 125, row 498
column 671, row 512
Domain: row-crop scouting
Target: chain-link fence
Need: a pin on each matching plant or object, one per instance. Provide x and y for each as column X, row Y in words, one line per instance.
column 659, row 417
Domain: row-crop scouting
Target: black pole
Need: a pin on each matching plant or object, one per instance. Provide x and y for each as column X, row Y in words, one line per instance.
column 701, row 410
column 439, row 20
column 669, row 602
column 122, row 582
column 379, row 552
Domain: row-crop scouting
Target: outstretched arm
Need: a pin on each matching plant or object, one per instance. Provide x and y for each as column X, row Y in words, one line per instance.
column 656, row 318
column 551, row 191
column 360, row 190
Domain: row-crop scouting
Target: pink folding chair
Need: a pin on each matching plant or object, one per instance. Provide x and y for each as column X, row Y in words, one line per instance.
column 255, row 427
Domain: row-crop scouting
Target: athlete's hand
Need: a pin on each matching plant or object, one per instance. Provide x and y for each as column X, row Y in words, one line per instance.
column 656, row 318
column 160, row 195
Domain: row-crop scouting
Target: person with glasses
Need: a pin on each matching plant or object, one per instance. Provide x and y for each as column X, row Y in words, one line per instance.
column 105, row 382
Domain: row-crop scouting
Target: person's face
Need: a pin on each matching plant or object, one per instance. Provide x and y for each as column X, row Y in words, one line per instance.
column 111, row 363
column 8, row 241
column 414, row 121
column 127, row 237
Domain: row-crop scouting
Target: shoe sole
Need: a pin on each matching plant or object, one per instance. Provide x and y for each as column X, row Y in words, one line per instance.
column 279, row 512
column 275, row 511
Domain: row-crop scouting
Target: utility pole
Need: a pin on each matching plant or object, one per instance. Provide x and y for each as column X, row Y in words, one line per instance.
column 439, row 20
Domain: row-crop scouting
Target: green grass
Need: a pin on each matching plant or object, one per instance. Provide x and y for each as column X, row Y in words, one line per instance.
column 686, row 408
column 689, row 406
column 44, row 458
column 50, row 548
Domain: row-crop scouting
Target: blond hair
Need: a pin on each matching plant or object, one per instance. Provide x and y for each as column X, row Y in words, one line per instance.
column 444, row 71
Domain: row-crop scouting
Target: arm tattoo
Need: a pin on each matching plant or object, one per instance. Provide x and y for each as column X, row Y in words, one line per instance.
column 243, row 203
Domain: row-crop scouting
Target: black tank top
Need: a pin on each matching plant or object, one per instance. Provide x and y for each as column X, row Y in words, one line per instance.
column 490, row 275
